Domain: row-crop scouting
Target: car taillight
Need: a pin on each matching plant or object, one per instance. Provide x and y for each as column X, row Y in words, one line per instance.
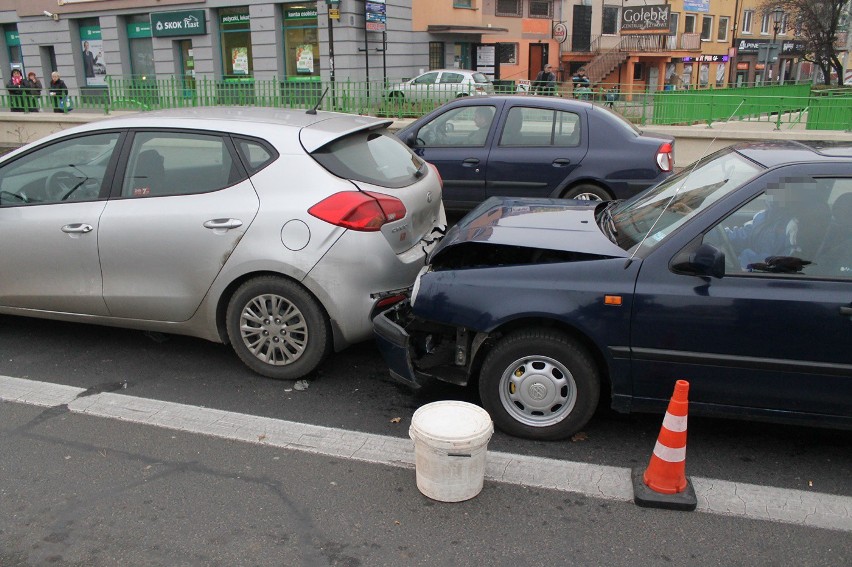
column 438, row 173
column 362, row 211
column 665, row 157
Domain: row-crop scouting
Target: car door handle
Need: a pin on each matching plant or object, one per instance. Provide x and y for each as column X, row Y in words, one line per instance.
column 846, row 310
column 77, row 228
column 470, row 162
column 223, row 224
column 561, row 162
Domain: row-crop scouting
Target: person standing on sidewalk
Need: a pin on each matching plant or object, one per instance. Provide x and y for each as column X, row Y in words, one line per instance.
column 17, row 91
column 34, row 87
column 58, row 92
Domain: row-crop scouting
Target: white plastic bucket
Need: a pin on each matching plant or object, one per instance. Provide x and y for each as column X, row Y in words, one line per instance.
column 450, row 443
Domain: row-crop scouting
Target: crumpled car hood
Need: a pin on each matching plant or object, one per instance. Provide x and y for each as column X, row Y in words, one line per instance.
column 550, row 224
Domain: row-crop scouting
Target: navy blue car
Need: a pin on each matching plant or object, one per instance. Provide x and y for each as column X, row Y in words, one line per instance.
column 528, row 146
column 735, row 274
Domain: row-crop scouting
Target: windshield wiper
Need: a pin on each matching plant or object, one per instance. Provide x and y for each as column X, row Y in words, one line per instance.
column 606, row 222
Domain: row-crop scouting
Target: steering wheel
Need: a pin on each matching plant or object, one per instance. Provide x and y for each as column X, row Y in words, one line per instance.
column 731, row 256
column 61, row 184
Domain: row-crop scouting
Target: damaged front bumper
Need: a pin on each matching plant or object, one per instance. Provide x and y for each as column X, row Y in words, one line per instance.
column 417, row 352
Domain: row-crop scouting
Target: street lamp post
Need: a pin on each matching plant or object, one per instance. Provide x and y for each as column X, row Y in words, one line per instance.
column 777, row 18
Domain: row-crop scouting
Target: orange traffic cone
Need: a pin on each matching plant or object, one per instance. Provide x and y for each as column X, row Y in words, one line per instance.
column 664, row 484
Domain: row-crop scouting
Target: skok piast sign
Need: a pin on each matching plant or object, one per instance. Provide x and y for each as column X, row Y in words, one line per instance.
column 189, row 22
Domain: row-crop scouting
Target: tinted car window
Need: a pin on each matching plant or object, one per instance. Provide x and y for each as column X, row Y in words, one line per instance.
column 256, row 155
column 427, row 79
column 797, row 226
column 464, row 126
column 480, row 78
column 452, row 78
column 372, row 157
column 540, row 127
column 70, row 170
column 165, row 163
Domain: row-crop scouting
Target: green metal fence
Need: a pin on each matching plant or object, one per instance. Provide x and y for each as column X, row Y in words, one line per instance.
column 784, row 105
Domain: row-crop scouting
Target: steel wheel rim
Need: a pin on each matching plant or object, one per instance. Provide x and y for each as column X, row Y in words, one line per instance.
column 538, row 391
column 587, row 197
column 274, row 330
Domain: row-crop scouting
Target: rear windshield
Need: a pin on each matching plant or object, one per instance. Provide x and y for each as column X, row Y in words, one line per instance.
column 372, row 157
column 480, row 78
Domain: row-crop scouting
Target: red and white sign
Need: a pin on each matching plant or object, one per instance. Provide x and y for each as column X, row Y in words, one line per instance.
column 560, row 32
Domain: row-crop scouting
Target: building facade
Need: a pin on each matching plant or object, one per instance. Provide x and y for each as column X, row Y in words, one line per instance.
column 638, row 44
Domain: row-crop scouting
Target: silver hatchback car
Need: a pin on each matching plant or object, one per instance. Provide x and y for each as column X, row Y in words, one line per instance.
column 442, row 84
column 278, row 231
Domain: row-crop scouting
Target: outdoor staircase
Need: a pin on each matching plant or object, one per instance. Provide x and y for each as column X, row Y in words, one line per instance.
column 605, row 63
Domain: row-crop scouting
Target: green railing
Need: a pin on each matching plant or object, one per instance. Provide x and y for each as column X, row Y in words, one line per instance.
column 692, row 106
column 783, row 105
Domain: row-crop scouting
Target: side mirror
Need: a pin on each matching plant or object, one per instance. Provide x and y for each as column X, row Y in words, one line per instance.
column 706, row 260
column 409, row 139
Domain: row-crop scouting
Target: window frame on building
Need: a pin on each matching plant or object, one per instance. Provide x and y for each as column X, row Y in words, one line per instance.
column 517, row 12
column 689, row 22
column 748, row 22
column 723, row 28
column 507, row 47
column 706, row 28
column 609, row 24
column 548, row 4
column 436, row 55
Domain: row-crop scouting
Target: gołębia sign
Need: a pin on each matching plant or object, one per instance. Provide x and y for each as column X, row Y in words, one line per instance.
column 645, row 18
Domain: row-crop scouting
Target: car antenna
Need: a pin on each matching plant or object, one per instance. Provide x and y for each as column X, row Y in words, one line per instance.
column 685, row 179
column 319, row 102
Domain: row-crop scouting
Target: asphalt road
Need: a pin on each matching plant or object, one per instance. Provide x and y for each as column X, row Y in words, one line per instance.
column 80, row 490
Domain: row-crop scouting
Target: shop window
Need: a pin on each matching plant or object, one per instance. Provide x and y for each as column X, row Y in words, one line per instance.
column 13, row 44
column 141, row 47
column 507, row 53
column 92, row 45
column 301, row 42
column 236, row 43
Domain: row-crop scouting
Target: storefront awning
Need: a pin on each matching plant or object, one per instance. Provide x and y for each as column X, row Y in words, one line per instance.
column 450, row 28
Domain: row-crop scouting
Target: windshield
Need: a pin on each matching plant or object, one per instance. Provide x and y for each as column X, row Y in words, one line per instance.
column 662, row 209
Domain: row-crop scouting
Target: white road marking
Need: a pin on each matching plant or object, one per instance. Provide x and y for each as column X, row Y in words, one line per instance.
column 751, row 501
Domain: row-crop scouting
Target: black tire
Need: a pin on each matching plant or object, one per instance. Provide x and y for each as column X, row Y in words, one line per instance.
column 286, row 347
column 396, row 95
column 588, row 192
column 555, row 390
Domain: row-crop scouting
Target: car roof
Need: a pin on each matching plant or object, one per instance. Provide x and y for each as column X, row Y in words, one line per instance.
column 771, row 154
column 294, row 128
column 525, row 98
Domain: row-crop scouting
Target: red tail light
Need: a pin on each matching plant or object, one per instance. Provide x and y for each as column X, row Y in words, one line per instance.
column 665, row 157
column 366, row 212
